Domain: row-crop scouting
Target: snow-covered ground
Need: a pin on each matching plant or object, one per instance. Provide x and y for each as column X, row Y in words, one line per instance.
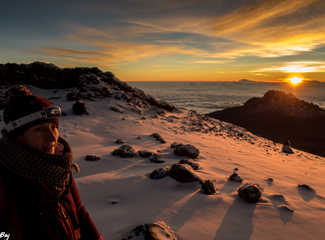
column 119, row 195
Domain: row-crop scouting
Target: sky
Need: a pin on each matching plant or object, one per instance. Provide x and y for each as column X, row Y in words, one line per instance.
column 170, row 40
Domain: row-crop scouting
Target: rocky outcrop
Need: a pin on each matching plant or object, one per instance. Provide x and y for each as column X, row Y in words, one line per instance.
column 82, row 82
column 280, row 116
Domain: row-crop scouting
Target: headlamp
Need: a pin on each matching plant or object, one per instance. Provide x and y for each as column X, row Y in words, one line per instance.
column 48, row 113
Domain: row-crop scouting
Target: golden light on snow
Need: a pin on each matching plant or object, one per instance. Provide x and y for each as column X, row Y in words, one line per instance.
column 295, row 80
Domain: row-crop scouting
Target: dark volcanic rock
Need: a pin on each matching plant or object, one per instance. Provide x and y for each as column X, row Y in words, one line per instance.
column 155, row 158
column 144, row 153
column 235, row 177
column 183, row 173
column 279, row 116
column 159, row 173
column 116, row 109
column 79, row 108
column 250, row 192
column 193, row 164
column 305, row 187
column 124, row 151
column 84, row 83
column 92, row 158
column 154, row 231
column 287, row 148
column 186, row 150
column 208, row 188
column 119, row 141
column 158, row 137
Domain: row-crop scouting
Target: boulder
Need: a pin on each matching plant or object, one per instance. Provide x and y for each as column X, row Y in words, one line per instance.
column 155, row 158
column 153, row 231
column 190, row 162
column 92, row 158
column 116, row 109
column 144, row 153
column 186, row 150
column 183, row 173
column 208, row 188
column 305, row 187
column 124, row 151
column 159, row 173
column 79, row 108
column 174, row 144
column 251, row 193
column 158, row 137
column 119, row 141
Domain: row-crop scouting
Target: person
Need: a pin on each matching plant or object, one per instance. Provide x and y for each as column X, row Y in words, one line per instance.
column 39, row 198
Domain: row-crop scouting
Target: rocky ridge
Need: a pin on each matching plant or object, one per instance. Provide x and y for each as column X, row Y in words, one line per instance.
column 280, row 117
column 83, row 84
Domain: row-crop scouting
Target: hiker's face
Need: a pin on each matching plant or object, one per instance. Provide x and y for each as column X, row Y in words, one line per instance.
column 42, row 137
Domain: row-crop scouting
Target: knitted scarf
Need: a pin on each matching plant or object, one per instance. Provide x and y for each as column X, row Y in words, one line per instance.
column 52, row 170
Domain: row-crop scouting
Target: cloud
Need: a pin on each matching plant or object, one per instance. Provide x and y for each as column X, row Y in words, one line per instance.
column 296, row 67
column 213, row 32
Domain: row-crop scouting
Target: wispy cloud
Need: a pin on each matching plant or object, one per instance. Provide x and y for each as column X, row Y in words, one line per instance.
column 296, row 67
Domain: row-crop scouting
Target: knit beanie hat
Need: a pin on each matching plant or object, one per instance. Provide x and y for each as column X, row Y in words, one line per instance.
column 21, row 102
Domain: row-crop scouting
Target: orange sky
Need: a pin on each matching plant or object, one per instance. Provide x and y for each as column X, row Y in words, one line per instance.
column 171, row 40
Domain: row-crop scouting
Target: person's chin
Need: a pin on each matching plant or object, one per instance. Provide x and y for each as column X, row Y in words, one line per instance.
column 48, row 150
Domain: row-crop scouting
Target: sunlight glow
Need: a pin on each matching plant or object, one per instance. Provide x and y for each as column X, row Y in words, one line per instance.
column 295, row 80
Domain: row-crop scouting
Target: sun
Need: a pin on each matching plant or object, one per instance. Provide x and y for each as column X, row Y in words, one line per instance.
column 295, row 80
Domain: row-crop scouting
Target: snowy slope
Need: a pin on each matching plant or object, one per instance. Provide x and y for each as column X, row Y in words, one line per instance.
column 119, row 195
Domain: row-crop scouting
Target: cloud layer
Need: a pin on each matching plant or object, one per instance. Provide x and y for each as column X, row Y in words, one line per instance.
column 127, row 34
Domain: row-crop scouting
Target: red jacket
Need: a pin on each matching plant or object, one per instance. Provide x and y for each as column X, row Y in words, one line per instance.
column 29, row 210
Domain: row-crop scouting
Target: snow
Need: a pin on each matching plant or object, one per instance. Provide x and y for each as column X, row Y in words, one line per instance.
column 119, row 195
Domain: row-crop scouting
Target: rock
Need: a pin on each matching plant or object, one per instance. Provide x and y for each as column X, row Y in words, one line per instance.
column 235, row 177
column 305, row 187
column 174, row 144
column 287, row 149
column 124, row 151
column 119, row 141
column 186, row 150
column 280, row 116
column 79, row 108
column 251, row 193
column 158, row 137
column 144, row 153
column 286, row 208
column 193, row 164
column 155, row 159
column 269, row 180
column 92, row 158
column 116, row 109
column 159, row 173
column 154, row 231
column 183, row 173
column 208, row 188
